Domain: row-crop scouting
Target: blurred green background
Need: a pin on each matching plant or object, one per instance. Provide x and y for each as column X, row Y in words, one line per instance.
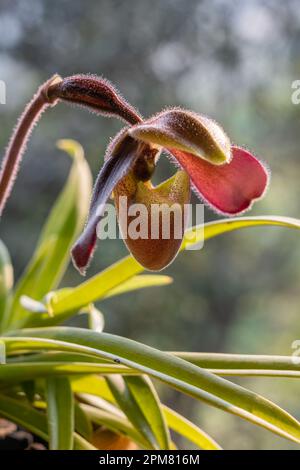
column 234, row 61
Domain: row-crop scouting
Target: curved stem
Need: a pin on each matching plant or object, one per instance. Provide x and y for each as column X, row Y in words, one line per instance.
column 20, row 136
column 93, row 92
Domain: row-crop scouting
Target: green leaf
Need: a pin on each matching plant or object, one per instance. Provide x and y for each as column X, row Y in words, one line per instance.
column 64, row 223
column 172, row 370
column 82, row 444
column 83, row 424
column 114, row 423
column 218, row 363
column 241, row 361
column 6, row 283
column 94, row 288
column 212, row 229
column 25, row 371
column 94, row 385
column 148, row 401
column 28, row 387
column 140, row 403
column 21, row 413
column 139, row 282
column 98, row 402
column 189, row 430
column 34, row 421
column 52, row 356
column 63, row 304
column 98, row 388
column 54, row 364
column 242, row 365
column 135, row 283
column 60, row 412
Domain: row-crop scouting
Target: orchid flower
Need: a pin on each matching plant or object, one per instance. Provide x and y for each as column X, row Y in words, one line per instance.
column 227, row 178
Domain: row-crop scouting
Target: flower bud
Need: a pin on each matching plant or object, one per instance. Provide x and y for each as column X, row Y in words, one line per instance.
column 97, row 94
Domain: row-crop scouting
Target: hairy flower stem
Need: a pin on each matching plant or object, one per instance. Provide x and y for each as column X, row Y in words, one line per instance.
column 20, row 136
column 94, row 93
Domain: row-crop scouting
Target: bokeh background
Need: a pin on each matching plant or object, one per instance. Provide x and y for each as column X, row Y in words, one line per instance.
column 234, row 61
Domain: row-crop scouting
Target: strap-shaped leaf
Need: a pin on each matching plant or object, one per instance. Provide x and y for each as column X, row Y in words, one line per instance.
column 97, row 386
column 64, row 223
column 241, row 361
column 140, row 403
column 146, row 397
column 113, row 277
column 56, row 364
column 131, row 410
column 95, row 287
column 23, row 414
column 60, row 413
column 31, row 370
column 132, row 284
column 93, row 385
column 140, row 282
column 29, row 418
column 174, row 371
column 219, row 227
column 114, row 423
column 6, row 282
column 189, row 430
column 80, row 443
column 52, row 356
column 83, row 424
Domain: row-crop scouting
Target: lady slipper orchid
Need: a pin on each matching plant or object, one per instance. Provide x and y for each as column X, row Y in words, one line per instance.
column 228, row 178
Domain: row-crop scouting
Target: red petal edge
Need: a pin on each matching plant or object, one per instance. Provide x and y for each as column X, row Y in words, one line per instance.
column 231, row 188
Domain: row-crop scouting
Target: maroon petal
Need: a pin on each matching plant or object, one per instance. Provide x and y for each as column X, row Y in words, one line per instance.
column 231, row 188
column 118, row 163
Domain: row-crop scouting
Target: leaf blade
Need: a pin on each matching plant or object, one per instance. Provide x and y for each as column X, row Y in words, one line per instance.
column 147, row 398
column 219, row 227
column 141, row 405
column 120, row 272
column 24, row 415
column 6, row 283
column 189, row 430
column 139, row 282
column 60, row 413
column 65, row 221
column 97, row 386
column 114, row 423
column 176, row 372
